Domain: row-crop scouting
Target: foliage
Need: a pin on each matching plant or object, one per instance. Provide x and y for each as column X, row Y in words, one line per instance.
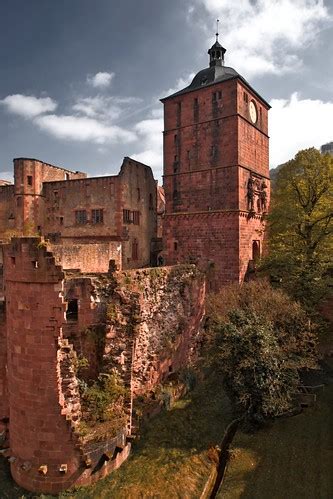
column 253, row 365
column 301, row 226
column 103, row 400
column 259, row 338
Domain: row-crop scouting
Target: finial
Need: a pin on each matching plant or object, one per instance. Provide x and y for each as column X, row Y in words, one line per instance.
column 217, row 29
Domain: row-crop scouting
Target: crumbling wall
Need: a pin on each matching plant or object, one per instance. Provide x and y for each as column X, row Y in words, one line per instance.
column 41, row 433
column 91, row 257
column 153, row 323
column 135, row 327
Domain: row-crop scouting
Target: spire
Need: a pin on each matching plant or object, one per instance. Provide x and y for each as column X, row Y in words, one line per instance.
column 216, row 52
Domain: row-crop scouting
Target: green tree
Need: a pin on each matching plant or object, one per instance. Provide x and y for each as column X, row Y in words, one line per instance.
column 260, row 339
column 301, row 225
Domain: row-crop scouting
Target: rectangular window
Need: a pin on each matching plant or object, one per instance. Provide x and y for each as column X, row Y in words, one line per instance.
column 219, row 94
column 127, row 218
column 135, row 249
column 246, row 97
column 136, row 217
column 97, row 216
column 81, row 217
column 29, row 178
column 61, row 220
column 214, row 96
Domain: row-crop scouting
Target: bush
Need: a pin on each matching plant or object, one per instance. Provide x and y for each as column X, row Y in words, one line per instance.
column 259, row 338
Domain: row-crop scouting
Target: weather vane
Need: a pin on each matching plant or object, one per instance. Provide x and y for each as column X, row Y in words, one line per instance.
column 217, row 29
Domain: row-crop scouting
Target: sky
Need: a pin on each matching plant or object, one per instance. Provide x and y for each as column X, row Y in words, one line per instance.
column 80, row 80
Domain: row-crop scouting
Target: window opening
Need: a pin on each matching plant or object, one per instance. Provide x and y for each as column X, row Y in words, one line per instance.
column 72, row 312
column 135, row 248
column 29, row 177
column 136, row 217
column 97, row 216
column 81, row 217
column 127, row 219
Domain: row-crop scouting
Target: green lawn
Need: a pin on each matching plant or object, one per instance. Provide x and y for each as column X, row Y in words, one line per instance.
column 170, row 460
column 292, row 459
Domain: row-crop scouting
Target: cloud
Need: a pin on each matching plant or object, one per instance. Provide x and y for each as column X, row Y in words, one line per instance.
column 298, row 124
column 28, row 106
column 83, row 129
column 105, row 108
column 100, row 80
column 6, row 175
column 266, row 36
column 151, row 139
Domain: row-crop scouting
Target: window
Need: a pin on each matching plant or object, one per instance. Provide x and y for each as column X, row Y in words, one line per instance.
column 56, row 194
column 72, row 311
column 81, row 217
column 175, row 138
column 219, row 94
column 61, row 220
column 66, row 176
column 127, row 219
column 214, row 96
column 34, row 264
column 29, row 179
column 138, row 194
column 135, row 249
column 196, row 109
column 175, row 246
column 97, row 216
column 246, row 97
column 136, row 217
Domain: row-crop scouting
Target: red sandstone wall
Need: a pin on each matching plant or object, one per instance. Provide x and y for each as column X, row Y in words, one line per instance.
column 4, row 406
column 91, row 257
column 7, row 210
column 40, row 434
column 29, row 200
column 210, row 149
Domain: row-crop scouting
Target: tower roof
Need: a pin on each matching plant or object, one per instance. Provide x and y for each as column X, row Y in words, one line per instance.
column 215, row 73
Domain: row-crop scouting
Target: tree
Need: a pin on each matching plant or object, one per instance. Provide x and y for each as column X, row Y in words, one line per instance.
column 301, row 225
column 260, row 339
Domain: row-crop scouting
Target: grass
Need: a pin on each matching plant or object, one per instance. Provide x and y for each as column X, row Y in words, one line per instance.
column 291, row 459
column 171, row 458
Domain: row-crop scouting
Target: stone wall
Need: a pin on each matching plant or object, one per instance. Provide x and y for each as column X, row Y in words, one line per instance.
column 211, row 150
column 142, row 325
column 91, row 257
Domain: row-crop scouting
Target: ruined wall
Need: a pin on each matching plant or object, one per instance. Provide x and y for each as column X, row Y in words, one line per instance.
column 40, row 433
column 48, row 452
column 29, row 176
column 91, row 257
column 7, row 209
column 141, row 325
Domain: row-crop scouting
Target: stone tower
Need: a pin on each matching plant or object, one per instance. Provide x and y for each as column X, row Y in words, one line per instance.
column 216, row 172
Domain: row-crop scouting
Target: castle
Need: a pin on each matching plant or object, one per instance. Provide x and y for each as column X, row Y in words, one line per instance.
column 86, row 306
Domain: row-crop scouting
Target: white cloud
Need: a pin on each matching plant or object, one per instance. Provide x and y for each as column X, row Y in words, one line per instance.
column 100, row 80
column 267, row 36
column 180, row 84
column 105, row 108
column 8, row 176
column 28, row 106
column 151, row 139
column 298, row 124
column 83, row 129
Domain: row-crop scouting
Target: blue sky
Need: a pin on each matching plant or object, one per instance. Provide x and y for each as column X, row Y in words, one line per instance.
column 80, row 80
